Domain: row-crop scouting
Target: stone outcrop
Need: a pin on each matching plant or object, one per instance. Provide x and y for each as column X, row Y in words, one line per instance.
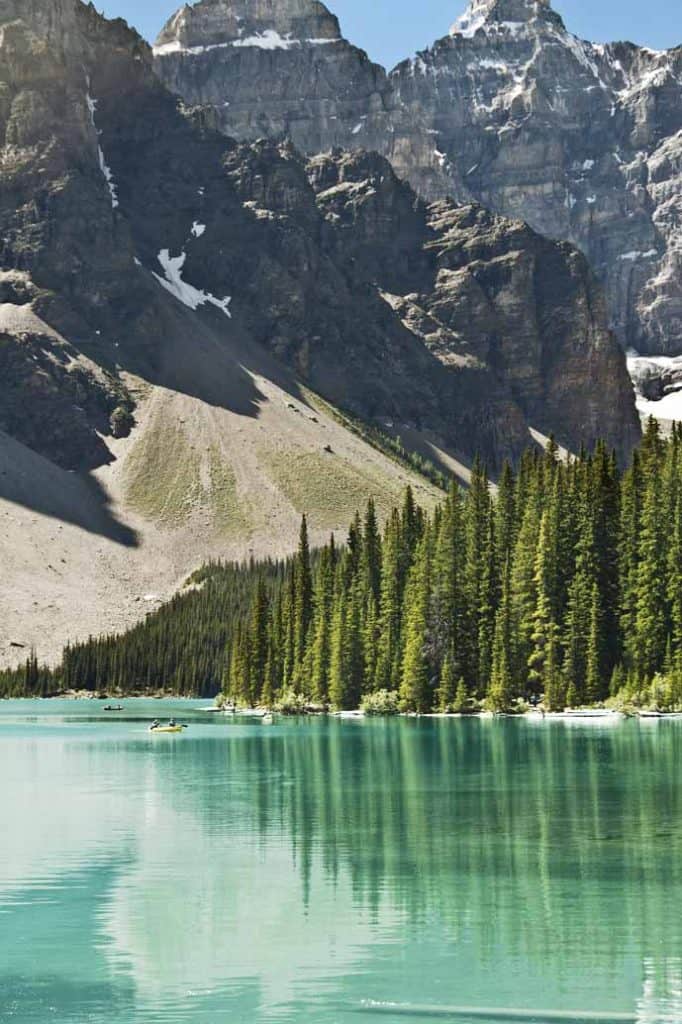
column 510, row 110
column 118, row 209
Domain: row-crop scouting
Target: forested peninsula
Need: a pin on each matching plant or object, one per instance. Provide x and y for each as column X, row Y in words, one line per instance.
column 561, row 583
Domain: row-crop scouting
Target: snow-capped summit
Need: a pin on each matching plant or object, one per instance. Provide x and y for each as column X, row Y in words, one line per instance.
column 263, row 24
column 508, row 13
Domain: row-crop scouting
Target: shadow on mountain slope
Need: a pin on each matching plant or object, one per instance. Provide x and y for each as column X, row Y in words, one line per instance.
column 28, row 479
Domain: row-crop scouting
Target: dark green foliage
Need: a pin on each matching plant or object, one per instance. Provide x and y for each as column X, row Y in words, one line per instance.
column 391, row 446
column 566, row 584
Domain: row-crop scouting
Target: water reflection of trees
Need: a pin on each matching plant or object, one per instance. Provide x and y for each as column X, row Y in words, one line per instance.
column 539, row 839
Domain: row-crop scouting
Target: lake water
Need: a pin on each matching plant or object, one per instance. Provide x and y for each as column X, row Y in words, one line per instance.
column 335, row 872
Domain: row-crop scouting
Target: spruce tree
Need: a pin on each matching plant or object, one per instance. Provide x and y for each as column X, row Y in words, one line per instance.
column 415, row 686
column 501, row 690
column 371, row 553
column 257, row 645
column 303, row 596
column 447, row 690
column 321, row 642
column 390, row 614
column 651, row 622
column 544, row 657
column 479, row 579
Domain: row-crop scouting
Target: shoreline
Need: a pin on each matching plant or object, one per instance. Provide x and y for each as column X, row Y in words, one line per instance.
column 586, row 715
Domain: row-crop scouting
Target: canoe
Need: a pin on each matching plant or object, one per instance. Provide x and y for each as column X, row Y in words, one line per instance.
column 166, row 728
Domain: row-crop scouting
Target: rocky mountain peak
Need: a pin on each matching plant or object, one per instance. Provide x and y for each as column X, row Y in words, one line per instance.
column 268, row 24
column 512, row 14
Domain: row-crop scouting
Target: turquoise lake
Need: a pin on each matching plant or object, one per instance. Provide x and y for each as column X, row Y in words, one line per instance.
column 336, row 872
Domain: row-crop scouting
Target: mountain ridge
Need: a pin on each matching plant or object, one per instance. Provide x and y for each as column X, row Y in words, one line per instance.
column 582, row 141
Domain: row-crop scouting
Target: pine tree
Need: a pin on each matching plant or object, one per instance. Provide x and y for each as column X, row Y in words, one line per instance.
column 389, row 628
column 505, row 517
column 544, row 658
column 289, row 632
column 597, row 676
column 479, row 579
column 628, row 557
column 321, row 643
column 674, row 575
column 651, row 622
column 338, row 657
column 371, row 553
column 303, row 596
column 257, row 645
column 415, row 686
column 346, row 669
column 501, row 690
column 447, row 618
column 447, row 690
column 578, row 625
column 524, row 586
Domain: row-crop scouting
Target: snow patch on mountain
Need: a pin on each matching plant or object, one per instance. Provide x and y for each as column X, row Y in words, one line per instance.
column 186, row 293
column 103, row 166
column 659, row 375
column 269, row 39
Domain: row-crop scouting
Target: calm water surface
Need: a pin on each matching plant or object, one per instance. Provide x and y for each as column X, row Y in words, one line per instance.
column 306, row 871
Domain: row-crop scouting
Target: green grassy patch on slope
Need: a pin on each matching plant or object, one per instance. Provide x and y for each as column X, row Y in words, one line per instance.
column 163, row 474
column 329, row 487
column 233, row 513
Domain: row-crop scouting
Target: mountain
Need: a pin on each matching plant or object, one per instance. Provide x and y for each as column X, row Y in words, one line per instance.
column 510, row 110
column 195, row 333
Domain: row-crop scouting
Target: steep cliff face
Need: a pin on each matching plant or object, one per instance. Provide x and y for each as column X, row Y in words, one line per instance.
column 494, row 302
column 282, row 70
column 113, row 199
column 67, row 273
column 509, row 110
column 581, row 141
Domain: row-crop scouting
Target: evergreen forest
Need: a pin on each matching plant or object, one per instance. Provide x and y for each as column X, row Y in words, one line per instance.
column 561, row 583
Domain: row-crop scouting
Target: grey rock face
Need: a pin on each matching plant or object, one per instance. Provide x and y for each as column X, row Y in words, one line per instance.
column 66, row 263
column 281, row 70
column 583, row 142
column 117, row 208
column 265, row 23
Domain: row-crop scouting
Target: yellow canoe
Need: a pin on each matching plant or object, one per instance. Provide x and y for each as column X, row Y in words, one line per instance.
column 167, row 728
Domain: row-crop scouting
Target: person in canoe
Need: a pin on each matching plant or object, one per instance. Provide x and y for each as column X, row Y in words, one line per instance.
column 171, row 726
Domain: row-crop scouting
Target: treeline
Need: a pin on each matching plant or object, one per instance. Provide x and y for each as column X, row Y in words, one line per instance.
column 563, row 582
column 180, row 648
column 30, row 680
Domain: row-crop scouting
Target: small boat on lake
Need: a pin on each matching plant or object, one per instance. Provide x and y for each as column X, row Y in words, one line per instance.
column 111, row 707
column 169, row 728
